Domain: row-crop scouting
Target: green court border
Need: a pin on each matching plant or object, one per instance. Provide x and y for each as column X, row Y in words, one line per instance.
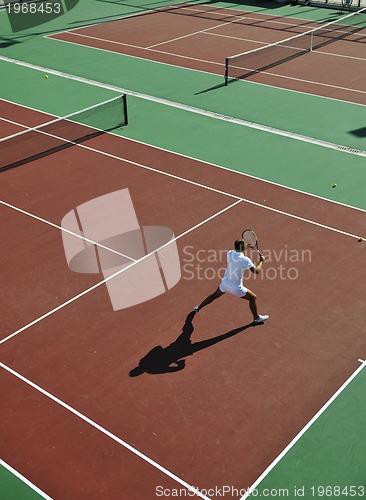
column 302, row 469
column 254, row 152
column 242, row 100
column 14, row 486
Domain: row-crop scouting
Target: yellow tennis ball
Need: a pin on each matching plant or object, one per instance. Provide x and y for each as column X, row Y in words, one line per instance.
column 46, row 76
column 334, row 185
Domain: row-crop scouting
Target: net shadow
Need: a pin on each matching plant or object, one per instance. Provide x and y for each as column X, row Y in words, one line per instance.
column 55, row 149
column 63, row 133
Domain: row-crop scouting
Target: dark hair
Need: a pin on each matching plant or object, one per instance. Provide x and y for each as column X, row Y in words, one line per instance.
column 239, row 245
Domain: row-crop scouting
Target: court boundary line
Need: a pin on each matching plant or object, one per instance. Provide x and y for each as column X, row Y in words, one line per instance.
column 209, row 188
column 127, row 16
column 220, row 25
column 102, row 282
column 189, row 7
column 303, row 431
column 227, row 169
column 217, row 191
column 206, row 31
column 151, row 48
column 235, row 38
column 185, row 107
column 270, row 16
column 103, row 430
column 157, row 465
column 341, row 55
column 214, row 63
column 24, row 479
column 4, row 366
column 63, row 229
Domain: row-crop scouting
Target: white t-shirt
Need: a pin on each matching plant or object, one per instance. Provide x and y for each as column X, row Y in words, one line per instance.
column 237, row 262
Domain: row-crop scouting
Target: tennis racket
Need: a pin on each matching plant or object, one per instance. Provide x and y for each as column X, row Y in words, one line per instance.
column 250, row 239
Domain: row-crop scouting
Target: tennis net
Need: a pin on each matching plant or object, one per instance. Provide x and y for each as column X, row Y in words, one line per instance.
column 254, row 61
column 61, row 133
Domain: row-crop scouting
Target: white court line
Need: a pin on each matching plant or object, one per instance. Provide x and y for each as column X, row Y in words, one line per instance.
column 189, row 6
column 214, row 63
column 237, row 198
column 267, row 18
column 340, row 55
column 197, row 184
column 228, row 118
column 54, row 120
column 200, row 31
column 226, row 169
column 104, row 431
column 144, row 12
column 224, row 24
column 66, row 230
column 312, row 53
column 45, row 392
column 219, row 191
column 302, row 432
column 24, row 479
column 112, row 42
column 88, row 290
column 121, row 441
column 188, row 181
column 225, row 193
column 263, row 19
column 237, row 38
column 20, row 376
column 192, row 109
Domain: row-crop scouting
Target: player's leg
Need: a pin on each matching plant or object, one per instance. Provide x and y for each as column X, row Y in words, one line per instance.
column 252, row 298
column 217, row 293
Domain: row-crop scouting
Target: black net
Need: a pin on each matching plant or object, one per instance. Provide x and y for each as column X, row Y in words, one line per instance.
column 62, row 133
column 251, row 62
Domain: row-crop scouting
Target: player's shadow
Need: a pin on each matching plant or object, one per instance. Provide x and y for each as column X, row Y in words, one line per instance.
column 170, row 359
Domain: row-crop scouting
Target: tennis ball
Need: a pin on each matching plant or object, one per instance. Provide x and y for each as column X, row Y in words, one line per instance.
column 360, row 239
column 46, row 76
column 334, row 186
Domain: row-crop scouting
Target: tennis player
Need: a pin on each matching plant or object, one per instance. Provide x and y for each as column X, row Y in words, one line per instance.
column 232, row 281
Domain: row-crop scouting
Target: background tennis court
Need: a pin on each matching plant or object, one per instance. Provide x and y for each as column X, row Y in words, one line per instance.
column 281, row 407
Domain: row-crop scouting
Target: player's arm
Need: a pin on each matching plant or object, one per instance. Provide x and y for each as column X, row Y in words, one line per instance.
column 257, row 268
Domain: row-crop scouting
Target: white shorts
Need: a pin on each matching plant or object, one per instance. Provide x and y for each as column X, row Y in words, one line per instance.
column 227, row 287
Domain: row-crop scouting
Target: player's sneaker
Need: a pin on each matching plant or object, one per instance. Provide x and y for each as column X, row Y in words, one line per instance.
column 261, row 318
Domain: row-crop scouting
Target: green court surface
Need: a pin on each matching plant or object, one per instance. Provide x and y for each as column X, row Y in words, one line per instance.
column 286, row 110
column 13, row 487
column 332, row 451
column 331, row 454
column 262, row 154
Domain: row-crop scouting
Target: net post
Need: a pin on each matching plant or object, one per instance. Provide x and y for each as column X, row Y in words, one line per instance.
column 226, row 71
column 311, row 40
column 124, row 99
